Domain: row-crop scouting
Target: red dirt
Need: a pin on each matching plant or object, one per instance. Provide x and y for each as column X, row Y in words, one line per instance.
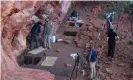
column 123, row 52
column 120, row 69
column 88, row 34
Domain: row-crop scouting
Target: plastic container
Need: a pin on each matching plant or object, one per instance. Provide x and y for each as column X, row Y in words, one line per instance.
column 53, row 39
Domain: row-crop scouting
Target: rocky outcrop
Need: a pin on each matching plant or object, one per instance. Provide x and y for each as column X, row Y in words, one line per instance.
column 16, row 24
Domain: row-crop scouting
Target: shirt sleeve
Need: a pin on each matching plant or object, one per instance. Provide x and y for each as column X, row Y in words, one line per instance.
column 90, row 53
column 39, row 29
column 32, row 29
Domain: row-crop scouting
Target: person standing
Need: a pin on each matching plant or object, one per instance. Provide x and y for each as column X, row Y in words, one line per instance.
column 112, row 35
column 34, row 34
column 74, row 16
column 91, row 58
column 47, row 33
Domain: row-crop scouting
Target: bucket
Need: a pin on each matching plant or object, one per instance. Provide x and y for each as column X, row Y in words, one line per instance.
column 53, row 39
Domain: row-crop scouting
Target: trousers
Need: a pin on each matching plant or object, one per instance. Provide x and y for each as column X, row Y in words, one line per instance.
column 93, row 70
column 47, row 41
column 111, row 49
column 34, row 37
column 75, row 21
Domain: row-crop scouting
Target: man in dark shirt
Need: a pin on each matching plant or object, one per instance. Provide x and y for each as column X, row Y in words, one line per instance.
column 74, row 16
column 111, row 43
column 34, row 34
column 91, row 58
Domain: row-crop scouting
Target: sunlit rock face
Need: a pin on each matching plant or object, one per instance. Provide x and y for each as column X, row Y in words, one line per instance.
column 16, row 24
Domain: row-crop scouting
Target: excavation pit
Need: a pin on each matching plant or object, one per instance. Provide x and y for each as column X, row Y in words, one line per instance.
column 31, row 60
column 70, row 32
column 32, row 57
column 71, row 23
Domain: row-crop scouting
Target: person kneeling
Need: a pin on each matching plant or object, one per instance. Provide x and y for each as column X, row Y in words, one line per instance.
column 74, row 16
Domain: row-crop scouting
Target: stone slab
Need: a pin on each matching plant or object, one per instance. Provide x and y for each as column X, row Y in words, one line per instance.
column 37, row 50
column 49, row 61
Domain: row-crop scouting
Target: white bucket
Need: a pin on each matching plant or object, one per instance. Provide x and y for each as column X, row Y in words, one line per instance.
column 53, row 39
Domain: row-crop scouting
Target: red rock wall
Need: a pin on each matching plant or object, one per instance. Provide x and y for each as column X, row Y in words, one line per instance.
column 16, row 17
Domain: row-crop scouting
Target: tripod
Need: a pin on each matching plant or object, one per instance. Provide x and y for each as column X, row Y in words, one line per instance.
column 76, row 67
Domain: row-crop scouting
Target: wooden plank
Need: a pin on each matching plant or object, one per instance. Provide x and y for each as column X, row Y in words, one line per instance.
column 79, row 21
column 71, row 23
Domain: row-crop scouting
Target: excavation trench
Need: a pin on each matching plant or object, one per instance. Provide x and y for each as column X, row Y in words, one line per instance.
column 57, row 60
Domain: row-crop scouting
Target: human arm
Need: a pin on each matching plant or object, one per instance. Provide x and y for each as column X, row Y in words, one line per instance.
column 39, row 28
column 77, row 15
column 104, row 24
column 90, row 53
column 71, row 14
column 117, row 37
column 108, row 36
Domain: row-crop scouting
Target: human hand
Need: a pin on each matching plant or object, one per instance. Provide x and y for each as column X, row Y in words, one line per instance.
column 39, row 36
column 118, row 37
